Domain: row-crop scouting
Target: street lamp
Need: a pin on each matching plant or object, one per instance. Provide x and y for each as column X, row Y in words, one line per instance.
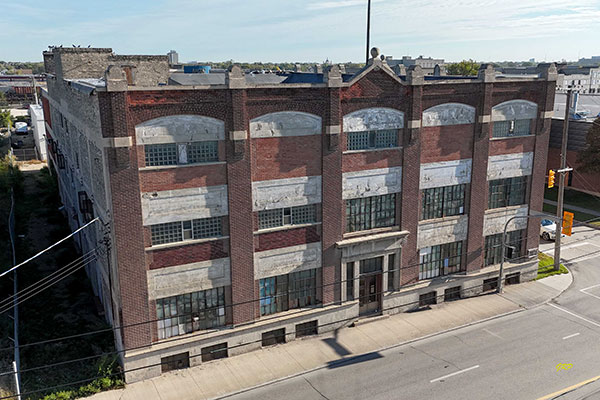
column 532, row 214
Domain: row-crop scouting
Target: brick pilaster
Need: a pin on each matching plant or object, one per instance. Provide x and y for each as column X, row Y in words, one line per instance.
column 239, row 184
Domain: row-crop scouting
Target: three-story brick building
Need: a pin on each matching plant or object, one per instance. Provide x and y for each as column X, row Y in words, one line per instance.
column 246, row 210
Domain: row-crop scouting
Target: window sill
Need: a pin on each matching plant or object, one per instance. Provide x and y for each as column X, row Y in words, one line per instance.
column 375, row 231
column 160, row 167
column 511, row 137
column 285, row 228
column 442, row 219
column 370, row 150
column 504, row 209
column 184, row 243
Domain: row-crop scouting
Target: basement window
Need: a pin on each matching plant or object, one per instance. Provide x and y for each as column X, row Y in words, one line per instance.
column 214, row 352
column 177, row 361
column 273, row 337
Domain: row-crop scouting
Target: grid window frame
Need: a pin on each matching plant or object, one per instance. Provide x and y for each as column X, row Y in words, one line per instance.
column 190, row 312
column 182, row 231
column 513, row 246
column 507, row 192
column 366, row 213
column 512, row 128
column 443, row 201
column 290, row 291
column 441, row 260
column 372, row 139
column 165, row 154
column 287, row 216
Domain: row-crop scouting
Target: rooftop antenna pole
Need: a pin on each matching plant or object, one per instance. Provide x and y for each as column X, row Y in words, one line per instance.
column 368, row 29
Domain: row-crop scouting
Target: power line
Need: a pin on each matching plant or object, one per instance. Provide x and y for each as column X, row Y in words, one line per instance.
column 48, row 248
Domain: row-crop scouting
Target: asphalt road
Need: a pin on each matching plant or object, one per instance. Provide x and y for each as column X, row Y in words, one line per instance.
column 513, row 357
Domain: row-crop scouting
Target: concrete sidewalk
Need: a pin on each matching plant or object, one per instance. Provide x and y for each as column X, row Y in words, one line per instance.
column 239, row 373
column 574, row 208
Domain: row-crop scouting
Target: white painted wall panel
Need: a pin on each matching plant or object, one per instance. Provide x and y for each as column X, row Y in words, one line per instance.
column 449, row 114
column 495, row 219
column 510, row 165
column 371, row 182
column 291, row 192
column 286, row 123
column 373, row 118
column 181, row 279
column 443, row 230
column 179, row 129
column 287, row 259
column 514, row 109
column 184, row 204
column 446, row 173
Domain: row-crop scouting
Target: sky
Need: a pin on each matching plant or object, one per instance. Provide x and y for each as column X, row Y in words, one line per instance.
column 306, row 30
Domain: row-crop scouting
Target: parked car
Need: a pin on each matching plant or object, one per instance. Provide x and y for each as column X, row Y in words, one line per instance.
column 548, row 229
column 21, row 128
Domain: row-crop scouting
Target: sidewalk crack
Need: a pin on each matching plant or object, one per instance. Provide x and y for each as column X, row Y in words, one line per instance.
column 316, row 390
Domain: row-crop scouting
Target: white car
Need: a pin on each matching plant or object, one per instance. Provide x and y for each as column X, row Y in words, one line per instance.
column 548, row 229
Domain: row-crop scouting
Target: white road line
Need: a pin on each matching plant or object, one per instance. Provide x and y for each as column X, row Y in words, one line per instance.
column 590, row 287
column 589, row 294
column 454, row 373
column 570, row 246
column 570, row 336
column 493, row 334
column 575, row 315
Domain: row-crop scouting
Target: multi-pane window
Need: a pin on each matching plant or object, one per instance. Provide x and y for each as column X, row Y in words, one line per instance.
column 379, row 139
column 443, row 201
column 181, row 153
column 440, row 260
column 284, row 292
column 507, row 192
column 287, row 216
column 512, row 245
column 391, row 271
column 370, row 212
column 515, row 127
column 190, row 312
column 171, row 232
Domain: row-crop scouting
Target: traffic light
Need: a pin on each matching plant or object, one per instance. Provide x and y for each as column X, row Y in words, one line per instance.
column 567, row 224
column 551, row 178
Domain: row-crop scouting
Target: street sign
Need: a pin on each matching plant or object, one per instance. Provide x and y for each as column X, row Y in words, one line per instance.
column 567, row 225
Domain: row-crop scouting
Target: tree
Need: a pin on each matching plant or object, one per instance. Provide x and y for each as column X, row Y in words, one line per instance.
column 3, row 101
column 589, row 159
column 466, row 68
column 5, row 119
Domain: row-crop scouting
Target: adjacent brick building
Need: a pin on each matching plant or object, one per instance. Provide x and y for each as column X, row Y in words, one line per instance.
column 245, row 211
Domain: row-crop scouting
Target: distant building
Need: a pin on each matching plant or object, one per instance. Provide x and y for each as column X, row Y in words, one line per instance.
column 427, row 64
column 589, row 62
column 173, row 57
column 581, row 79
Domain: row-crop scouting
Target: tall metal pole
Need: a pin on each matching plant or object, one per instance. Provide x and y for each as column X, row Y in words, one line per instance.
column 368, row 30
column 561, row 181
column 11, row 232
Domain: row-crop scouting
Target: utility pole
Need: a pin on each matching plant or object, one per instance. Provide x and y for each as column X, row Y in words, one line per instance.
column 368, row 30
column 17, row 358
column 561, row 181
column 35, row 96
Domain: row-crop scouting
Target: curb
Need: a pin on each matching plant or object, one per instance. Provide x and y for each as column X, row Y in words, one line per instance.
column 343, row 361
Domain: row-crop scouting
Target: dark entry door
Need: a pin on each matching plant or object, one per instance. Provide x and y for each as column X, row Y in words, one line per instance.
column 370, row 294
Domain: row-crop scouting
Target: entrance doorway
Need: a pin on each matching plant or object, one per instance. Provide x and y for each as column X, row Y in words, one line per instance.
column 370, row 285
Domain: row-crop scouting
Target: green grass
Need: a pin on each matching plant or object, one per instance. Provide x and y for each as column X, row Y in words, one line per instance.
column 546, row 267
column 579, row 216
column 575, row 198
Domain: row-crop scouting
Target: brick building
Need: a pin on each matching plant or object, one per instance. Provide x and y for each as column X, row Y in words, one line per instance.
column 243, row 213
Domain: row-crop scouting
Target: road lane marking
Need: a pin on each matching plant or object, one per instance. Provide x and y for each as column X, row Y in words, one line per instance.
column 589, row 294
column 571, row 246
column 493, row 334
column 575, row 315
column 570, row 336
column 590, row 287
column 568, row 389
column 454, row 373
